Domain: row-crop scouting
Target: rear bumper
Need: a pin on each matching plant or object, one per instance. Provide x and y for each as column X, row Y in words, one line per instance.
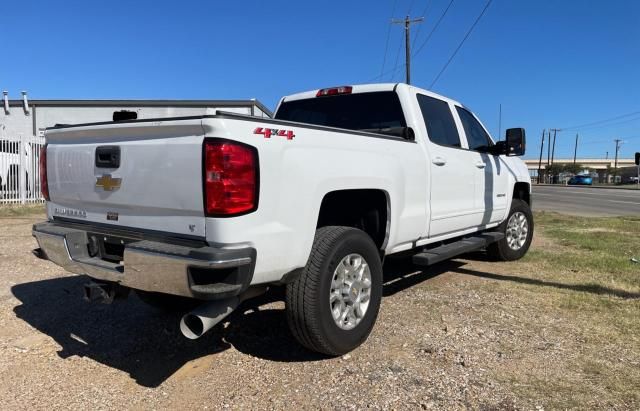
column 192, row 271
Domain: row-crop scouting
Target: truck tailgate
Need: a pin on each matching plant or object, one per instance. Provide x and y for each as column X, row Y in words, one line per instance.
column 144, row 175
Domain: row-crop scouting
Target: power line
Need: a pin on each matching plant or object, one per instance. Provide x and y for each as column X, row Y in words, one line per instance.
column 601, row 121
column 424, row 14
column 386, row 47
column 461, row 43
column 592, row 142
column 395, row 67
column 410, row 6
column 393, row 70
column 398, row 66
column 605, row 126
column 435, row 27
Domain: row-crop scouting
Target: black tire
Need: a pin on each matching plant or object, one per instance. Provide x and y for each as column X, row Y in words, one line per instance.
column 307, row 297
column 167, row 302
column 500, row 250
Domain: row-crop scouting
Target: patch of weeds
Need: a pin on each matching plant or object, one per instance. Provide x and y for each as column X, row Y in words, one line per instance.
column 22, row 210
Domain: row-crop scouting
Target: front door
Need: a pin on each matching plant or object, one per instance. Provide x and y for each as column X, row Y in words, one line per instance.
column 491, row 171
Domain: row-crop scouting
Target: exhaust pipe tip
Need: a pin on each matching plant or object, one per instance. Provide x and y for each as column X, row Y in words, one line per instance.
column 196, row 323
column 192, row 326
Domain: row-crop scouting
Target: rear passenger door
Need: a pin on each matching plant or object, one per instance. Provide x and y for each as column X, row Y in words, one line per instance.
column 452, row 170
column 491, row 173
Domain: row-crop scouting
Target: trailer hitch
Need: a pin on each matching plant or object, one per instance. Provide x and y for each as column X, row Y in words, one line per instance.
column 104, row 292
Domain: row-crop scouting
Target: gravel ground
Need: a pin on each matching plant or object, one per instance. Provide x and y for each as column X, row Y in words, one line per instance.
column 445, row 339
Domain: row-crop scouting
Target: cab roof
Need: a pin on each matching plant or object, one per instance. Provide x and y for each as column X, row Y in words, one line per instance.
column 369, row 88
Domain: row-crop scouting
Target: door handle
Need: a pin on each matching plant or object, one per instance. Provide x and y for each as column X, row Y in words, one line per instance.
column 439, row 161
column 481, row 164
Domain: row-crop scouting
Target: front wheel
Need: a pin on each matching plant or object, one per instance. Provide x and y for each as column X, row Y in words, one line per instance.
column 333, row 305
column 518, row 233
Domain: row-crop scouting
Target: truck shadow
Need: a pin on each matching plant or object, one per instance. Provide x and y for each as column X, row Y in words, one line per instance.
column 591, row 288
column 401, row 273
column 147, row 344
column 142, row 341
column 585, row 288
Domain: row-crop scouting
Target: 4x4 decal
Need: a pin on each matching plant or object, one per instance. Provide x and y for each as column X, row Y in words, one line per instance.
column 268, row 132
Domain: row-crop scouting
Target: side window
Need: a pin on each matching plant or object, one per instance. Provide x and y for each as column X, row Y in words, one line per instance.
column 439, row 121
column 477, row 138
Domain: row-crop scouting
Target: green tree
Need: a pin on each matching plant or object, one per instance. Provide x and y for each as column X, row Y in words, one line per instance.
column 554, row 169
column 573, row 168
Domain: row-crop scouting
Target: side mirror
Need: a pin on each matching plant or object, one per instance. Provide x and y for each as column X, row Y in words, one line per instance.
column 515, row 142
column 409, row 134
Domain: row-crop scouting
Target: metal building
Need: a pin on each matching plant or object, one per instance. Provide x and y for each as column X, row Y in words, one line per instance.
column 23, row 121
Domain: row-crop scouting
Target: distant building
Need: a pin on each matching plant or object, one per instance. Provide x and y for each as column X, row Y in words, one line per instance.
column 23, row 117
column 602, row 170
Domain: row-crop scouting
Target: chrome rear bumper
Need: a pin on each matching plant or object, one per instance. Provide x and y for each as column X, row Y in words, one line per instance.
column 201, row 272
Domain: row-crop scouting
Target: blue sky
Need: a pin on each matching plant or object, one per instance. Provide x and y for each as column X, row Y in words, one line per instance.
column 549, row 63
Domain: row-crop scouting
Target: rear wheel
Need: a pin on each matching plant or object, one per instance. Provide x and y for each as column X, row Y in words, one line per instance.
column 518, row 233
column 333, row 305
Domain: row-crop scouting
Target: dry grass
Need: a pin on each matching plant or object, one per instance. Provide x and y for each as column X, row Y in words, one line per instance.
column 21, row 210
column 581, row 297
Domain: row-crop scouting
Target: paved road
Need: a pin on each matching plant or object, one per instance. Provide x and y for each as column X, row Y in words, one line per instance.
column 586, row 201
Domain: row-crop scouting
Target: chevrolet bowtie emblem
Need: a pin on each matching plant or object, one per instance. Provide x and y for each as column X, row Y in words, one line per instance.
column 107, row 182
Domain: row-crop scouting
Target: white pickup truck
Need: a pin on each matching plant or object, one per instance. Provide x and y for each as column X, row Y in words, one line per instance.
column 214, row 209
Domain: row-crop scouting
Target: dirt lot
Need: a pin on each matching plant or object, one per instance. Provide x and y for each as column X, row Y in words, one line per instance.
column 559, row 329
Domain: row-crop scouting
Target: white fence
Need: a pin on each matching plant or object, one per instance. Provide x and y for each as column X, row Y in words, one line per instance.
column 20, row 169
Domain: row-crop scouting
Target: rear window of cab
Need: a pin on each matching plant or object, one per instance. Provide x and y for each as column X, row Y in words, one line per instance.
column 359, row 111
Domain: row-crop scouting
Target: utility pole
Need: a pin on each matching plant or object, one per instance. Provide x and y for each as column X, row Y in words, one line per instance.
column 549, row 149
column 540, row 161
column 407, row 48
column 500, row 122
column 637, row 158
column 553, row 150
column 575, row 150
column 615, row 163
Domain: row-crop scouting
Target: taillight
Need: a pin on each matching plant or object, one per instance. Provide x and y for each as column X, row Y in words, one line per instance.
column 230, row 178
column 334, row 91
column 44, row 185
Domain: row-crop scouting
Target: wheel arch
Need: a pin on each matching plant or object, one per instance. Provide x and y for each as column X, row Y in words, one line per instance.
column 366, row 209
column 522, row 191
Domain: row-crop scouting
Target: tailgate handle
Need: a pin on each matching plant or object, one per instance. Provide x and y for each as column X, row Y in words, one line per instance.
column 108, row 157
